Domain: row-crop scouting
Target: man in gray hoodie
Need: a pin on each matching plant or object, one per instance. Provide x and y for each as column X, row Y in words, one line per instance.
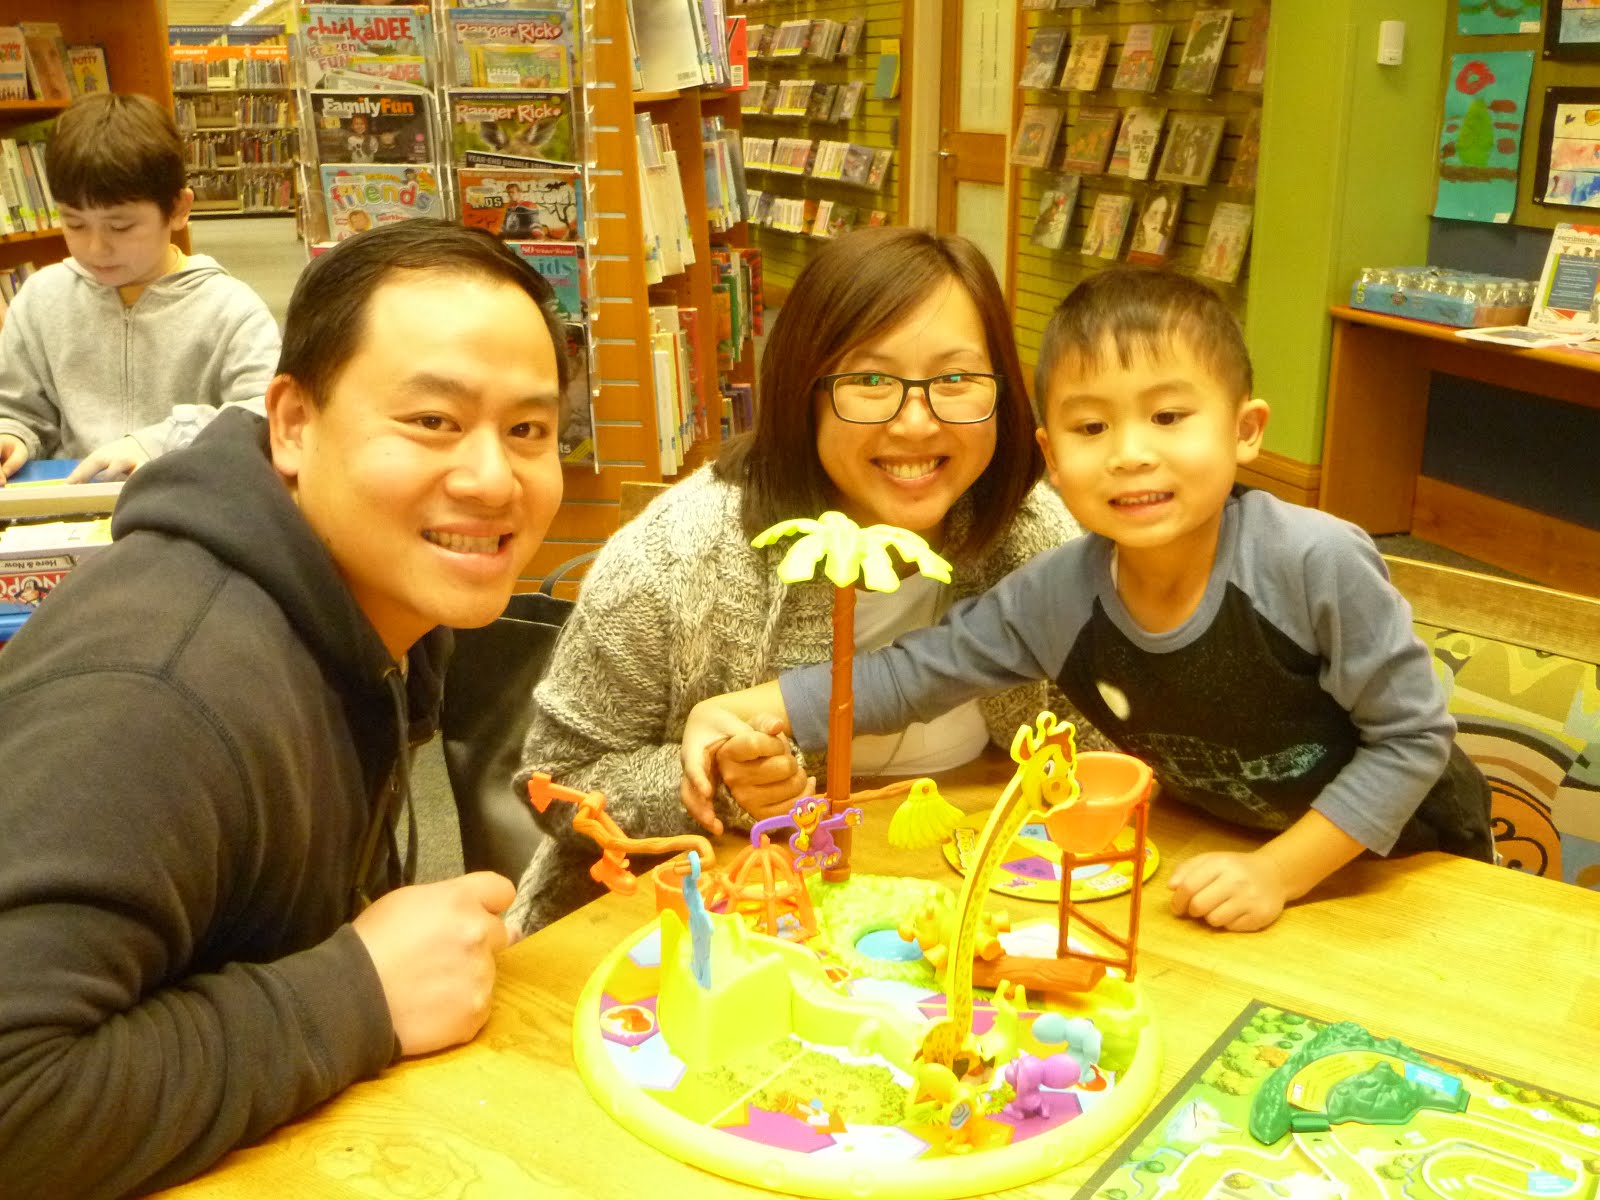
column 130, row 347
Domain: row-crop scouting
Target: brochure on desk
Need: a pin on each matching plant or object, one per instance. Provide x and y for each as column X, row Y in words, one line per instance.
column 1564, row 307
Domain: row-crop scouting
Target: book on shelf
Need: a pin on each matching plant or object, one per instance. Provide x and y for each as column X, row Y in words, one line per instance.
column 1202, row 51
column 13, row 64
column 508, row 129
column 526, row 205
column 45, row 52
column 670, row 375
column 668, row 236
column 791, row 39
column 1086, row 62
column 372, row 127
column 1248, row 156
column 856, row 167
column 87, row 65
column 1190, row 153
column 850, row 39
column 820, row 102
column 360, row 197
column 1090, row 140
column 1037, row 130
column 1143, row 55
column 882, row 160
column 754, row 94
column 824, row 39
column 487, row 42
column 1226, row 241
column 1056, row 204
column 738, row 54
column 1251, row 73
column 1134, row 155
column 575, row 433
column 886, row 79
column 341, row 41
column 1155, row 229
column 847, row 101
column 1108, row 223
column 1044, row 56
column 669, row 48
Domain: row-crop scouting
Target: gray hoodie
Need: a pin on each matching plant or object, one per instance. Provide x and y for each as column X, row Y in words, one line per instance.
column 78, row 369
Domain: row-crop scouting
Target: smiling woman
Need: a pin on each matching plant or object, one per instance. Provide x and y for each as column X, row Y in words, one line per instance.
column 890, row 390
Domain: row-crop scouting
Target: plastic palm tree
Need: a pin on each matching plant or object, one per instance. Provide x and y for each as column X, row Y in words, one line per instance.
column 847, row 554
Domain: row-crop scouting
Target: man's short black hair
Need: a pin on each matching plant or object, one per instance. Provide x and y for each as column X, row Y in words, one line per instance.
column 327, row 313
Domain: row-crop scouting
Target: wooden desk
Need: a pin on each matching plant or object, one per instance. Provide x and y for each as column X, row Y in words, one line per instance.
column 1487, row 965
column 1376, row 423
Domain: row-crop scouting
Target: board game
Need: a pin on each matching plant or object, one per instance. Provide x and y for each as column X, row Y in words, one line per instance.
column 1032, row 869
column 1284, row 1105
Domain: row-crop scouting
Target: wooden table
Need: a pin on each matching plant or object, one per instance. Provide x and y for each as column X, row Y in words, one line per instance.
column 1496, row 968
column 1376, row 424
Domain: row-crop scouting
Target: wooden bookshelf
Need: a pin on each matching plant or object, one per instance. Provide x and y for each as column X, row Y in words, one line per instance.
column 625, row 421
column 134, row 36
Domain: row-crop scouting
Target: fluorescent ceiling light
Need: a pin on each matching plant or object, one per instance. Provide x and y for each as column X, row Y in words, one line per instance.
column 252, row 12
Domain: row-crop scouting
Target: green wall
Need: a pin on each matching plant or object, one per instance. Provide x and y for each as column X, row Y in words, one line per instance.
column 1346, row 181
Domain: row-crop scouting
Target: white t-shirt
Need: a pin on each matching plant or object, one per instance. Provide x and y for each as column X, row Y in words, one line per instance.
column 957, row 736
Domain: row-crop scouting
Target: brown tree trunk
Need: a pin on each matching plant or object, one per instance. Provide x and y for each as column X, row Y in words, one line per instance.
column 841, row 719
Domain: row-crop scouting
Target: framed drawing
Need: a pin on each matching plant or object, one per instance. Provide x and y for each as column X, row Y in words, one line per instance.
column 1568, row 168
column 1191, row 149
column 1571, row 29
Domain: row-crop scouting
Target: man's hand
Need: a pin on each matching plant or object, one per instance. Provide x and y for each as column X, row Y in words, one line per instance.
column 759, row 769
column 113, row 461
column 1228, row 890
column 13, row 454
column 433, row 945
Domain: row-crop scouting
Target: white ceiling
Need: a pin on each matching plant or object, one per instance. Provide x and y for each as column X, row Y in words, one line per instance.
column 220, row 12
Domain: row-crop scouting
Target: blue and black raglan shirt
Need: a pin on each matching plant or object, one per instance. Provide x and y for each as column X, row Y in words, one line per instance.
column 1297, row 683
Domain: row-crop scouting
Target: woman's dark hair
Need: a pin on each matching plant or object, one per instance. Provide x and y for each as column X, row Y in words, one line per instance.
column 857, row 289
column 112, row 148
column 327, row 313
column 1136, row 312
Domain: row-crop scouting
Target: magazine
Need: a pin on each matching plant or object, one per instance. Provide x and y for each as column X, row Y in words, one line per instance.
column 516, row 128
column 361, row 197
column 576, row 437
column 561, row 263
column 372, row 127
column 532, row 206
column 545, row 32
column 387, row 42
column 1564, row 305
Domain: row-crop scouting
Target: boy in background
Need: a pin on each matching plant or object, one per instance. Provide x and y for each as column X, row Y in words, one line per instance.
column 129, row 347
column 1253, row 652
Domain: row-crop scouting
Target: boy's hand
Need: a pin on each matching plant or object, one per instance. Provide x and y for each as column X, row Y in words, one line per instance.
column 759, row 769
column 113, row 461
column 1229, row 890
column 433, row 945
column 13, row 454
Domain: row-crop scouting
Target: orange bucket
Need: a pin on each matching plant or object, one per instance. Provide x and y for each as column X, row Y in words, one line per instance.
column 1109, row 785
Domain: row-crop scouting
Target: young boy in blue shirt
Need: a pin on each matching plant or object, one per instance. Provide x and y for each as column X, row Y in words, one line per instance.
column 129, row 347
column 1253, row 652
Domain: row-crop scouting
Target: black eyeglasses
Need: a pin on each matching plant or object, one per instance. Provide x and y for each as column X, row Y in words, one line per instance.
column 876, row 397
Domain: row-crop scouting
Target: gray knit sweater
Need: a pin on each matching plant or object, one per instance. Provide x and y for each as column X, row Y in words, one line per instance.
column 679, row 607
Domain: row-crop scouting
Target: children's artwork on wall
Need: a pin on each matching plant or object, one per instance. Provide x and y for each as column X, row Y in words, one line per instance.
column 1568, row 169
column 1480, row 146
column 1571, row 29
column 1498, row 16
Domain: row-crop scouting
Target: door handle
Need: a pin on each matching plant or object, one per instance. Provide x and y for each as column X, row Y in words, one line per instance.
column 947, row 154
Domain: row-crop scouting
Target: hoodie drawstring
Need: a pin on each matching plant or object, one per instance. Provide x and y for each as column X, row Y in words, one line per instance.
column 386, row 813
